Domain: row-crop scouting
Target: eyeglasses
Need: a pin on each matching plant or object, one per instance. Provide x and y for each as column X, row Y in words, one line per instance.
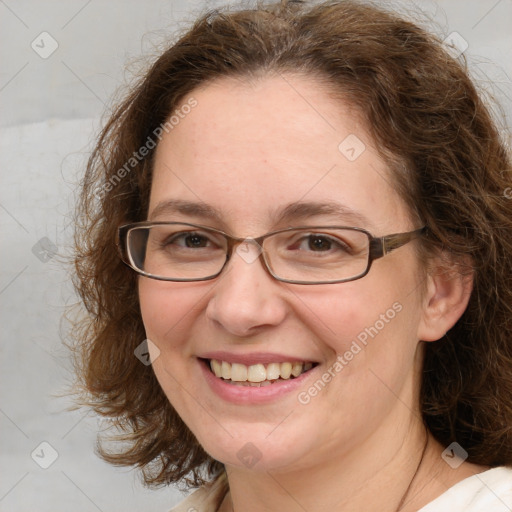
column 177, row 251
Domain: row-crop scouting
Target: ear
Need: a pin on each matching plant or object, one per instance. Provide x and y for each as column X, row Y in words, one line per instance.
column 448, row 289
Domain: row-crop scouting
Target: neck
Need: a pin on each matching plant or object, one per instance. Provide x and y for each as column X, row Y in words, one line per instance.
column 369, row 478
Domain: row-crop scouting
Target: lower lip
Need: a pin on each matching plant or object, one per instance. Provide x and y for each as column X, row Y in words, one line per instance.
column 252, row 394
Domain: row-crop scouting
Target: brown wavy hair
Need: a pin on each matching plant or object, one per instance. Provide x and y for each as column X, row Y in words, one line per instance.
column 447, row 160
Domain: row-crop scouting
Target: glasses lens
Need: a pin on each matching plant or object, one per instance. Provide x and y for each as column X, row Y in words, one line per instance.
column 176, row 251
column 319, row 255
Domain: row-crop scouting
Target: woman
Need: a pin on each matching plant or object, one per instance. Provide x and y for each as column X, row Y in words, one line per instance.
column 313, row 251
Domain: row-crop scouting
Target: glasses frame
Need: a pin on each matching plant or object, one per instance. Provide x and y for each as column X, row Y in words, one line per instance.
column 378, row 248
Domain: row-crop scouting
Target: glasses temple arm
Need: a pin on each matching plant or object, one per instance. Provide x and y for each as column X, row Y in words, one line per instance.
column 384, row 245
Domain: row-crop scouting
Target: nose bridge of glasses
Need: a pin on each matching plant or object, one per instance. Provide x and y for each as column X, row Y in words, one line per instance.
column 249, row 249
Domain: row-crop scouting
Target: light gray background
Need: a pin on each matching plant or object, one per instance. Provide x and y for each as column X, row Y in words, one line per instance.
column 49, row 115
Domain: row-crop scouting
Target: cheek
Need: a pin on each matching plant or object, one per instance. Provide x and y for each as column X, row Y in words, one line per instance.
column 157, row 312
column 341, row 313
column 167, row 308
column 169, row 313
column 370, row 322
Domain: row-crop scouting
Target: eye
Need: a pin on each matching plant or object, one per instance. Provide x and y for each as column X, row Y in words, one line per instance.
column 319, row 242
column 192, row 240
column 189, row 240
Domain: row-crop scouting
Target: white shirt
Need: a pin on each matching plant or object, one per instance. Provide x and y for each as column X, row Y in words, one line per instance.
column 490, row 491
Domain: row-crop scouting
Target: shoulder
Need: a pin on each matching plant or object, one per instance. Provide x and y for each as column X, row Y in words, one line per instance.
column 207, row 498
column 483, row 492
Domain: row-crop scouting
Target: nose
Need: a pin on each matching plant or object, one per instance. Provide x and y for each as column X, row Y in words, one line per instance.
column 246, row 299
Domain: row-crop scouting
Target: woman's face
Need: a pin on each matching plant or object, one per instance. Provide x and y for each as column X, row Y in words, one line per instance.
column 250, row 152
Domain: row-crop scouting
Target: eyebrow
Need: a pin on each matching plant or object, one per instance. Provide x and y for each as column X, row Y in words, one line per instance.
column 189, row 208
column 305, row 209
column 293, row 212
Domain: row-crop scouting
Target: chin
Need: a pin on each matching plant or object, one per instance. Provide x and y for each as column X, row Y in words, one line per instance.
column 255, row 450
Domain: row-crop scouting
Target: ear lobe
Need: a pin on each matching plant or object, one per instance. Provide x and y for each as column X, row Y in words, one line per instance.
column 447, row 295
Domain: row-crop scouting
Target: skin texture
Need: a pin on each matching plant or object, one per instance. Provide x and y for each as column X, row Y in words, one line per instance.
column 248, row 150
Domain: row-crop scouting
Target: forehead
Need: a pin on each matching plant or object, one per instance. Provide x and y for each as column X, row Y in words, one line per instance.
column 250, row 147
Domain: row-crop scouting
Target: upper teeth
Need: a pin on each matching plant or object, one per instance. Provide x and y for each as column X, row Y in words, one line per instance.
column 258, row 372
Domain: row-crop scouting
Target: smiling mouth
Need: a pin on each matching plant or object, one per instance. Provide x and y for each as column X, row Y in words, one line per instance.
column 257, row 375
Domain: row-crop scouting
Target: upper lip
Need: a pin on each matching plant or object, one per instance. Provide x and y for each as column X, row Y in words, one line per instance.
column 254, row 358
